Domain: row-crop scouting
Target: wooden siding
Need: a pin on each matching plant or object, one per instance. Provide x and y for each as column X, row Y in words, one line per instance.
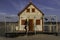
column 31, row 15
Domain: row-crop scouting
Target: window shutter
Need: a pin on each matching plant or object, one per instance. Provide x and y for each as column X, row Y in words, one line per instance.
column 33, row 10
column 38, row 22
column 28, row 10
column 22, row 22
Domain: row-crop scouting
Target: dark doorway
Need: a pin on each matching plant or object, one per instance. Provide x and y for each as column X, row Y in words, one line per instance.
column 31, row 25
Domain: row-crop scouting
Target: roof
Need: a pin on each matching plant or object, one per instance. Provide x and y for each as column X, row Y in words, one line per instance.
column 30, row 3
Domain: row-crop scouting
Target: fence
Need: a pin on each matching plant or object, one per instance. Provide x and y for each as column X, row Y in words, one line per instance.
column 8, row 24
column 50, row 24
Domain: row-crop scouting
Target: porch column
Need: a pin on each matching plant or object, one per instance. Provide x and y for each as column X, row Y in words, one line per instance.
column 50, row 26
column 27, row 26
column 56, row 25
column 35, row 25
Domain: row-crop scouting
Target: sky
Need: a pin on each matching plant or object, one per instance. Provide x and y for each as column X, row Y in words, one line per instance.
column 13, row 7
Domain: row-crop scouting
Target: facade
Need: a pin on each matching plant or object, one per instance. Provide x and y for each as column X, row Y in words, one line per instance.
column 33, row 16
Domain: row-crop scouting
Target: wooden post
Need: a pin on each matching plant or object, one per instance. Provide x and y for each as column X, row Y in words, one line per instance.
column 43, row 23
column 19, row 22
column 35, row 25
column 56, row 26
column 50, row 23
column 27, row 26
column 5, row 23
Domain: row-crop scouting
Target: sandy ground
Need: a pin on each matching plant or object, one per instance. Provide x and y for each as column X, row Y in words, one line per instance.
column 34, row 37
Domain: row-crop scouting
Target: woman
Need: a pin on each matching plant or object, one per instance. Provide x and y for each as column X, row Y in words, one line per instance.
column 25, row 25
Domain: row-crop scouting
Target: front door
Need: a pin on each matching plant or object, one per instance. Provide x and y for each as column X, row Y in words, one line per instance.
column 31, row 25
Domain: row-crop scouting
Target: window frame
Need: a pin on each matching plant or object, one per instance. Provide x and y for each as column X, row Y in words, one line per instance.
column 28, row 10
column 23, row 22
column 33, row 9
column 38, row 22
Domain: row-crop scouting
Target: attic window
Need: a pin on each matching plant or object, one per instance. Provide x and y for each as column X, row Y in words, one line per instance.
column 28, row 10
column 33, row 9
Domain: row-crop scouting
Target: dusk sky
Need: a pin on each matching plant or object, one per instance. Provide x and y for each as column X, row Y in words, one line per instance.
column 13, row 7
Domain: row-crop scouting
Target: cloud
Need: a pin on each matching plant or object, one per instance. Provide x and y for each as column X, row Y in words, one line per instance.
column 43, row 7
column 2, row 13
column 13, row 15
column 46, row 7
column 6, row 14
column 8, row 17
column 15, row 4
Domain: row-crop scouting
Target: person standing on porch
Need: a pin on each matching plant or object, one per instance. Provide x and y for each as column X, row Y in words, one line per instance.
column 26, row 24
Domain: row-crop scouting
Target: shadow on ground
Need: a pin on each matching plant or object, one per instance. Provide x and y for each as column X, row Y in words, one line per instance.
column 13, row 35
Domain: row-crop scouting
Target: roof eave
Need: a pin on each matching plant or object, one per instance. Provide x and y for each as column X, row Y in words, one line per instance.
column 27, row 6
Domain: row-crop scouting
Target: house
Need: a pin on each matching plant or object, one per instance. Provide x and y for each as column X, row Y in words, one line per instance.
column 34, row 17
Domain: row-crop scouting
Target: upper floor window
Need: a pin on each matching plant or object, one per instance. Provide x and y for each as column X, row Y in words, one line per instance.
column 28, row 10
column 33, row 9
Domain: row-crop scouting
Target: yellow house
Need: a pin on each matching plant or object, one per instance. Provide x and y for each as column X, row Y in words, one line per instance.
column 34, row 17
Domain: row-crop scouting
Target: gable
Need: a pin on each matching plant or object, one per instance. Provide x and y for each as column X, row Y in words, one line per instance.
column 30, row 6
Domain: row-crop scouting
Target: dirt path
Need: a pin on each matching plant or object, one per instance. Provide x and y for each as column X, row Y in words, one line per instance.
column 34, row 37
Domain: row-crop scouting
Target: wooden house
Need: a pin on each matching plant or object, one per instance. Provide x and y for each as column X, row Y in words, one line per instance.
column 34, row 17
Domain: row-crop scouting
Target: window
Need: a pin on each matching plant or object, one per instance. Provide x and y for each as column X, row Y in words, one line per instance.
column 33, row 10
column 37, row 22
column 22, row 22
column 28, row 10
